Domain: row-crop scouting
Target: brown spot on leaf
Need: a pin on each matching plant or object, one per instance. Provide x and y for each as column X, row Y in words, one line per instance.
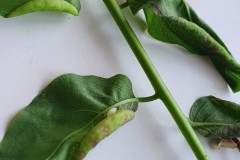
column 80, row 155
column 105, row 130
column 94, row 143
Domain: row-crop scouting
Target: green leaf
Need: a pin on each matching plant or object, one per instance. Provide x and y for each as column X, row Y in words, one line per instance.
column 215, row 118
column 70, row 109
column 20, row 7
column 175, row 22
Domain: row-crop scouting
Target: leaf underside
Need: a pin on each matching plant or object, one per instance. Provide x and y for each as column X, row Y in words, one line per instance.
column 215, row 118
column 175, row 22
column 20, row 7
column 53, row 125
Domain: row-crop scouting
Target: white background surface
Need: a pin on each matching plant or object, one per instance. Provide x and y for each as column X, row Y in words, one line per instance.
column 36, row 48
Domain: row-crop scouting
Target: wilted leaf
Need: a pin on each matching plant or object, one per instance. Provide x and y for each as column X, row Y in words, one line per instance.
column 227, row 143
column 54, row 124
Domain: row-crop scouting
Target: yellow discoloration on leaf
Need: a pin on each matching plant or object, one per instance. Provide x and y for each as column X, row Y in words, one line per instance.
column 104, row 129
column 44, row 5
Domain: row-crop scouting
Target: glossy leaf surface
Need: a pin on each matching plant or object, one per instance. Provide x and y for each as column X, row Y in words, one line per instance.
column 54, row 124
column 20, row 7
column 175, row 22
column 215, row 118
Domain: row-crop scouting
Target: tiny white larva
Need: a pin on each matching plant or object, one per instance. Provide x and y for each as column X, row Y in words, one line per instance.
column 104, row 129
column 111, row 111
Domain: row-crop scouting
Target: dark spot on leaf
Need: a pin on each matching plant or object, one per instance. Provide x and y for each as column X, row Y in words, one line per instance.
column 155, row 9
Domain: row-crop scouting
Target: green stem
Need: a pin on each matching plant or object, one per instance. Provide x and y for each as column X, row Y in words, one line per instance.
column 148, row 99
column 156, row 81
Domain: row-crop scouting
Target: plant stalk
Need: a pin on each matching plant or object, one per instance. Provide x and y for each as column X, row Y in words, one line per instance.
column 160, row 88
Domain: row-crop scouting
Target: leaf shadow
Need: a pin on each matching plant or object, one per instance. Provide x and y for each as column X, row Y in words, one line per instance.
column 158, row 136
column 97, row 25
column 173, row 55
column 213, row 142
column 137, row 21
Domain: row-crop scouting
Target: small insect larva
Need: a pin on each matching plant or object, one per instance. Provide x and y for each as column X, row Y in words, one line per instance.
column 111, row 111
column 103, row 129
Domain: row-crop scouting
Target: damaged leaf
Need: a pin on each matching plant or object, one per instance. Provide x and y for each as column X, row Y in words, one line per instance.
column 72, row 108
column 215, row 118
column 175, row 22
column 104, row 129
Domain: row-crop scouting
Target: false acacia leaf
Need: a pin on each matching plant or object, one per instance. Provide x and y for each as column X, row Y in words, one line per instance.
column 20, row 7
column 215, row 118
column 65, row 114
column 175, row 22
